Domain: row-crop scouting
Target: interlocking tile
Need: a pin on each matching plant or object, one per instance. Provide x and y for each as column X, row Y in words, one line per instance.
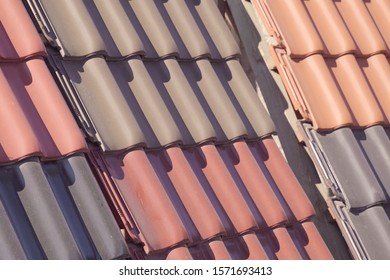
column 347, row 85
column 18, row 41
column 124, row 28
column 183, row 142
column 167, row 195
column 51, row 205
column 57, row 211
column 341, row 87
column 369, row 229
column 155, row 103
column 358, row 161
column 33, row 114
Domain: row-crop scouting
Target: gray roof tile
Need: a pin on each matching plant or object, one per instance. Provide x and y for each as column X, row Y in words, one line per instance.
column 56, row 210
column 368, row 229
column 359, row 162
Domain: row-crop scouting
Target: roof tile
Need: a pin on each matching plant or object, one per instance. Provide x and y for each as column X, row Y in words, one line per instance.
column 40, row 115
column 359, row 160
column 342, row 90
column 102, row 23
column 172, row 163
column 147, row 200
column 149, row 101
column 19, row 39
column 62, row 221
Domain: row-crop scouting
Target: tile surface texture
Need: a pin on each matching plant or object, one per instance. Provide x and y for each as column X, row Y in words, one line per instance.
column 333, row 57
column 51, row 205
column 184, row 144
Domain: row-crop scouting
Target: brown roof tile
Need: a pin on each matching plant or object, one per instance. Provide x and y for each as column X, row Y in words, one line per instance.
column 136, row 22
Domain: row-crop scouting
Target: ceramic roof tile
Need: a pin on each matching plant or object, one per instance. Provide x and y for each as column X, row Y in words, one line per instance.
column 102, row 23
column 345, row 91
column 172, row 166
column 57, row 224
column 358, row 160
column 362, row 226
column 342, row 90
column 288, row 184
column 299, row 242
column 9, row 242
column 19, row 39
column 380, row 12
column 149, row 204
column 172, row 217
column 150, row 104
column 355, row 164
column 31, row 99
column 306, row 27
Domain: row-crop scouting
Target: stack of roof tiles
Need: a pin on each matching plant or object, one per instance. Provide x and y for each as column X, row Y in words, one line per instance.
column 185, row 146
column 334, row 59
column 50, row 203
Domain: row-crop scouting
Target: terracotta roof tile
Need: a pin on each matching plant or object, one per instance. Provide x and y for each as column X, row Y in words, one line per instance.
column 162, row 190
column 341, row 91
column 40, row 116
column 288, row 184
column 19, row 39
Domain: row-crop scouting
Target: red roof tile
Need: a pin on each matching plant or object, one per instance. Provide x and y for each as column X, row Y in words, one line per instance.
column 19, row 38
column 169, row 193
column 38, row 112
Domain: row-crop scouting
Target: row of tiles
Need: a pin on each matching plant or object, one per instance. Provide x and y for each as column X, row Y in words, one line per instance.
column 176, row 195
column 155, row 104
column 185, row 108
column 33, row 114
column 301, row 241
column 56, row 210
column 330, row 28
column 123, row 28
column 359, row 161
column 346, row 91
column 349, row 76
column 368, row 230
column 355, row 165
